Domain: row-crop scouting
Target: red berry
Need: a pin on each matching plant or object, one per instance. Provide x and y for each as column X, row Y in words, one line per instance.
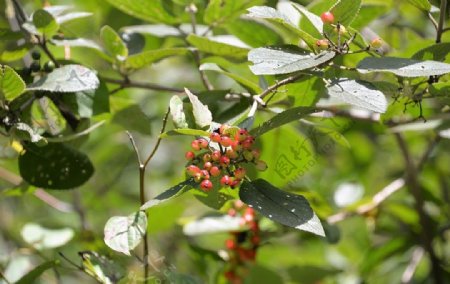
column 224, row 160
column 215, row 137
column 239, row 173
column 230, row 244
column 207, row 166
column 255, row 240
column 236, row 145
column 254, row 227
column 206, row 157
column 215, row 156
column 225, row 180
column 327, row 17
column 225, row 141
column 203, row 143
column 247, row 143
column 248, row 217
column 204, row 174
column 238, row 204
column 250, row 211
column 246, row 254
column 223, row 128
column 192, row 170
column 214, row 171
column 195, row 145
column 232, row 212
column 231, row 154
column 235, row 183
column 241, row 135
column 189, row 155
column 256, row 153
column 206, row 185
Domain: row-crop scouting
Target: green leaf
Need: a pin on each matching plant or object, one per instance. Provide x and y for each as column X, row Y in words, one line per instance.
column 345, row 11
column 403, row 67
column 219, row 11
column 151, row 11
column 217, row 48
column 88, row 103
column 101, row 268
column 421, row 4
column 436, row 52
column 185, row 131
column 140, row 60
column 177, row 113
column 368, row 13
column 43, row 238
column 23, row 131
column 67, row 79
column 14, row 53
column 283, row 207
column 202, row 115
column 279, row 19
column 62, row 19
column 261, row 274
column 54, row 166
column 253, row 33
column 7, row 34
column 276, row 60
column 78, row 42
column 358, row 93
column 45, row 23
column 247, row 84
column 308, row 274
column 213, row 224
column 113, row 44
column 217, row 197
column 124, row 233
column 281, row 119
column 172, row 192
column 161, row 30
column 11, row 85
column 441, row 89
column 77, row 135
column 34, row 274
column 134, row 119
column 314, row 20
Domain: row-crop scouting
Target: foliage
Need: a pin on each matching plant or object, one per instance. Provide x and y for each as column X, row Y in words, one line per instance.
column 346, row 101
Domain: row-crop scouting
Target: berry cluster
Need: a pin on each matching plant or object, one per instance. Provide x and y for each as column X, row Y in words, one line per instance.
column 35, row 66
column 242, row 246
column 220, row 158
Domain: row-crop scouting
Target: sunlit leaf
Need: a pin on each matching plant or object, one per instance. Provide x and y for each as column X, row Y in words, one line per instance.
column 202, row 115
column 177, row 113
column 217, row 48
column 11, row 85
column 220, row 12
column 44, row 23
column 403, row 67
column 152, row 11
column 34, row 274
column 23, row 131
column 43, row 238
column 213, row 224
column 113, row 44
column 173, row 192
column 345, row 11
column 124, row 233
column 421, row 4
column 102, row 268
column 140, row 60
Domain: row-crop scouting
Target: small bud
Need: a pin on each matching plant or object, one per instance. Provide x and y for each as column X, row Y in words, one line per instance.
column 261, row 165
column 376, row 42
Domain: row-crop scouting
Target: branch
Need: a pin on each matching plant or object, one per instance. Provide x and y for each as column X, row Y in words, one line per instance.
column 140, row 85
column 440, row 27
column 39, row 192
column 159, row 138
column 425, row 222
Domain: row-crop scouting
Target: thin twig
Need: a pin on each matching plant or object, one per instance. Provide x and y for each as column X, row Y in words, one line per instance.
column 140, row 85
column 43, row 45
column 133, row 143
column 159, row 138
column 433, row 21
column 440, row 27
column 279, row 84
column 425, row 222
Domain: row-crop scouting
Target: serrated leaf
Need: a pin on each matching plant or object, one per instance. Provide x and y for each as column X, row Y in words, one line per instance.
column 54, row 166
column 101, row 268
column 202, row 115
column 43, row 238
column 436, row 52
column 34, row 274
column 275, row 60
column 315, row 20
column 23, row 131
column 172, row 192
column 124, row 233
column 289, row 209
column 358, row 93
column 279, row 19
column 345, row 11
column 177, row 113
column 281, row 119
column 403, row 67
column 113, row 44
column 45, row 23
column 67, row 79
column 151, row 11
column 11, row 85
column 217, row 48
column 421, row 4
column 247, row 84
column 220, row 12
column 142, row 59
column 213, row 224
column 185, row 131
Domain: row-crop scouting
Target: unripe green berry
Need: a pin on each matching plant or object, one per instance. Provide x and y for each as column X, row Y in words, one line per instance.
column 261, row 165
column 49, row 66
column 35, row 66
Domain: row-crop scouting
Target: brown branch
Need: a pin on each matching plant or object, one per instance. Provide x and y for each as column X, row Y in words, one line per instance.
column 413, row 185
column 140, row 85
